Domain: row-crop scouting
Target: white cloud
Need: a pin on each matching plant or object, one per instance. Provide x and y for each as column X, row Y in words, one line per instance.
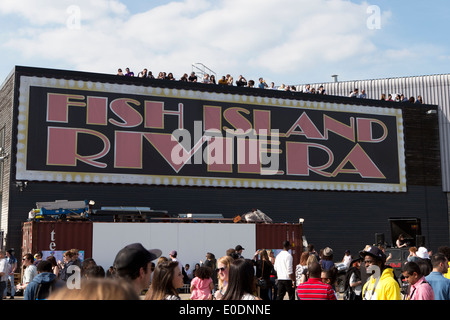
column 44, row 12
column 249, row 37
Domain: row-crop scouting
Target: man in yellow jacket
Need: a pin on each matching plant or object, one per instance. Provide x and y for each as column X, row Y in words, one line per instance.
column 381, row 285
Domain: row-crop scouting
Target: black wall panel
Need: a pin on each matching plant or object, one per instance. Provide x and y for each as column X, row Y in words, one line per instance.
column 341, row 220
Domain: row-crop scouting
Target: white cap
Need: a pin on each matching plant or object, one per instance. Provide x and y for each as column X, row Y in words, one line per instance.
column 422, row 253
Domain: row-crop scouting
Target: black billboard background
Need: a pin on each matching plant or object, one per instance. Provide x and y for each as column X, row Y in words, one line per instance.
column 385, row 154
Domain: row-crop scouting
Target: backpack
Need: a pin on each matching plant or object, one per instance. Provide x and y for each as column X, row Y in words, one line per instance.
column 43, row 290
column 349, row 293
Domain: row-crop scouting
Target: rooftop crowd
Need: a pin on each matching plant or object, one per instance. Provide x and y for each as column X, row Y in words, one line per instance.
column 228, row 80
column 138, row 273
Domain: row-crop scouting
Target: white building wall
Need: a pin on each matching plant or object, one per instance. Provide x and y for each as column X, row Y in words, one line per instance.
column 191, row 240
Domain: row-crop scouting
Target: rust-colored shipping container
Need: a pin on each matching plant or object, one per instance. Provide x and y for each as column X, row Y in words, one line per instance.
column 272, row 236
column 57, row 236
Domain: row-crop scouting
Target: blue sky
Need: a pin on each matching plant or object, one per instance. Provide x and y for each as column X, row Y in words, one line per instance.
column 291, row 42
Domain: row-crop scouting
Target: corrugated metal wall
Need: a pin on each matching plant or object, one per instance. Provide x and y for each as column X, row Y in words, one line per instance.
column 52, row 236
column 6, row 124
column 272, row 236
column 434, row 89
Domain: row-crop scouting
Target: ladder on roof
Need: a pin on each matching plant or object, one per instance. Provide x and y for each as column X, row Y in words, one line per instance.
column 200, row 70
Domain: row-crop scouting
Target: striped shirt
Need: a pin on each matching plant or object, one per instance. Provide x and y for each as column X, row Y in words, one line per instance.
column 315, row 289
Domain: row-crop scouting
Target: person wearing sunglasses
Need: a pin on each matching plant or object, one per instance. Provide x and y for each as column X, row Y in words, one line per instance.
column 223, row 267
column 30, row 271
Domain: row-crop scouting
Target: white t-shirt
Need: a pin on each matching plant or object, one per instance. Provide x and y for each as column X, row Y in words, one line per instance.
column 248, row 296
column 29, row 274
column 283, row 265
column 3, row 269
column 347, row 261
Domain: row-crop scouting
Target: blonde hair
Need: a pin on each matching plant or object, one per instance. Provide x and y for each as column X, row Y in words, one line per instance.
column 162, row 259
column 226, row 260
column 311, row 259
column 97, row 289
column 304, row 258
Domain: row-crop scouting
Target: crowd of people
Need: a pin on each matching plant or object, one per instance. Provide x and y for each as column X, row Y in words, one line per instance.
column 228, row 80
column 41, row 276
column 400, row 97
column 139, row 273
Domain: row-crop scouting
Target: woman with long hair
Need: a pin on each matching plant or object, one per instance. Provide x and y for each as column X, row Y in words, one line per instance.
column 55, row 267
column 223, row 271
column 241, row 284
column 301, row 269
column 167, row 278
column 263, row 270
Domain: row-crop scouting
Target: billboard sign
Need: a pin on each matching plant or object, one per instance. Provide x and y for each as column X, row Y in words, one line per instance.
column 95, row 132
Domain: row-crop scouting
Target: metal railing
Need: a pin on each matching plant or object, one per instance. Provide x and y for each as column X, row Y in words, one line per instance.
column 200, row 70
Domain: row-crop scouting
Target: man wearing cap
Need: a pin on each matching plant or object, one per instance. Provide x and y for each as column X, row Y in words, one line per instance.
column 239, row 250
column 173, row 256
column 381, row 285
column 133, row 263
column 424, row 256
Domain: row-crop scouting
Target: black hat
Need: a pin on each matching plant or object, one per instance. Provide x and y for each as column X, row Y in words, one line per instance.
column 135, row 256
column 357, row 259
column 374, row 252
column 239, row 248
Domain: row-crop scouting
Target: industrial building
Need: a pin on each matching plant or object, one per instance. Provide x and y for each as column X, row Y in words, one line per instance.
column 346, row 167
